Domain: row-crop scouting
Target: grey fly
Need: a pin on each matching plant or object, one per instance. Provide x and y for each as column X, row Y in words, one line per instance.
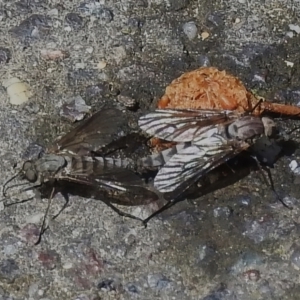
column 207, row 139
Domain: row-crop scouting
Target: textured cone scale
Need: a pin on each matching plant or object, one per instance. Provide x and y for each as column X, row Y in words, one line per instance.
column 209, row 88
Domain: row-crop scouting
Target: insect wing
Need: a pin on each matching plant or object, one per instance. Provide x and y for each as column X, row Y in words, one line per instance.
column 183, row 125
column 94, row 133
column 186, row 167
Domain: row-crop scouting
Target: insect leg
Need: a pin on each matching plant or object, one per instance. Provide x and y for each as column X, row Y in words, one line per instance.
column 270, row 183
column 169, row 204
column 4, row 189
column 44, row 227
column 121, row 213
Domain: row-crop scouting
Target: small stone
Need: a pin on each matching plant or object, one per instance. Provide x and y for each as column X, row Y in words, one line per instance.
column 295, row 28
column 49, row 259
column 204, row 35
column 190, row 30
column 75, row 109
column 30, row 233
column 17, row 91
column 74, row 20
column 158, row 282
column 104, row 15
column 295, row 258
column 294, row 166
column 54, row 54
column 53, row 12
column 237, row 21
column 9, row 269
column 118, row 54
column 289, row 63
column 89, row 50
column 67, row 265
column 35, row 219
column 127, row 101
column 5, row 55
column 79, row 66
column 251, row 275
column 107, row 284
column 101, row 65
column 33, row 27
column 222, row 212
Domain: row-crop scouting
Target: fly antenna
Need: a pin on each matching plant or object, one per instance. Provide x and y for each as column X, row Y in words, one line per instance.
column 8, row 181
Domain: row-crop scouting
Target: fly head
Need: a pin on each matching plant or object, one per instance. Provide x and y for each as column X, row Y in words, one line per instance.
column 29, row 171
column 44, row 167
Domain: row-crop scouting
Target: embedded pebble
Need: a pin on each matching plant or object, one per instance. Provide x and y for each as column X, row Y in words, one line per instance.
column 251, row 275
column 133, row 288
column 74, row 20
column 190, row 30
column 244, row 201
column 5, row 55
column 17, row 91
column 33, row 289
column 97, row 90
column 294, row 166
column 204, row 35
column 32, row 27
column 49, row 259
column 9, row 269
column 75, row 109
column 33, row 151
column 222, row 212
column 248, row 260
column 127, row 101
column 103, row 14
column 222, row 293
column 295, row 28
column 54, row 54
column 101, row 65
column 107, row 284
column 158, row 282
column 295, row 258
column 35, row 219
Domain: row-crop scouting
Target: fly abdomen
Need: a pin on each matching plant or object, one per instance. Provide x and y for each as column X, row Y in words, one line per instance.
column 159, row 159
column 86, row 165
column 118, row 162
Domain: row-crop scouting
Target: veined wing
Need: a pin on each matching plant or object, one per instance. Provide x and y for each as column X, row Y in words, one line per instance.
column 186, row 167
column 183, row 125
column 94, row 133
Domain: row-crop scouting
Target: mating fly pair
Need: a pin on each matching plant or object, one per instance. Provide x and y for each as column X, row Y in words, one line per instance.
column 207, row 139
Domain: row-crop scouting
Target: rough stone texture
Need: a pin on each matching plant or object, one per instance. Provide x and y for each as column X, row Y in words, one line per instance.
column 237, row 242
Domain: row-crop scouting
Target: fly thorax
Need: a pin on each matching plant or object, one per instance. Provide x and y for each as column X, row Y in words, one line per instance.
column 50, row 164
column 246, row 128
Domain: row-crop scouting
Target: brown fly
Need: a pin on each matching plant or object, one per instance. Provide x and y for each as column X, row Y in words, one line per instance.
column 77, row 159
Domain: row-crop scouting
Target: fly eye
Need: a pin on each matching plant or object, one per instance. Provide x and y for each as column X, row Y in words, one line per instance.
column 27, row 165
column 31, row 175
